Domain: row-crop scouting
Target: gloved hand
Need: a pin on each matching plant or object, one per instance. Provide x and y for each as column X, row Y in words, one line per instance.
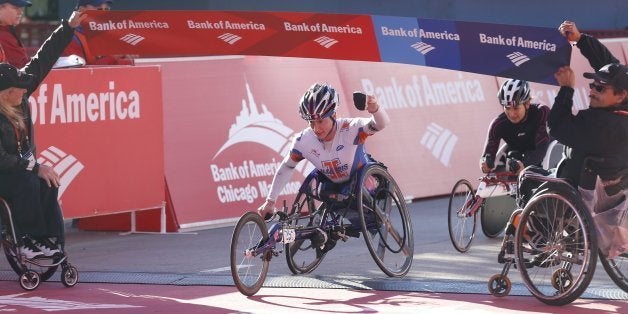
column 487, row 163
column 515, row 165
column 267, row 210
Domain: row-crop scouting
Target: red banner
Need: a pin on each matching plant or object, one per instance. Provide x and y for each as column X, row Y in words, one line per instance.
column 176, row 33
column 101, row 129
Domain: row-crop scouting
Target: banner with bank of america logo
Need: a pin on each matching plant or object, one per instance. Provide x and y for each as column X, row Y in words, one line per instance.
column 525, row 52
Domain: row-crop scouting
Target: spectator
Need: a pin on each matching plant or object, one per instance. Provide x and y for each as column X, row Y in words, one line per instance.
column 11, row 49
column 600, row 131
column 79, row 45
column 29, row 187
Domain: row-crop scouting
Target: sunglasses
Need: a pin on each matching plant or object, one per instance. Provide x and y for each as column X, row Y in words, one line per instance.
column 598, row 88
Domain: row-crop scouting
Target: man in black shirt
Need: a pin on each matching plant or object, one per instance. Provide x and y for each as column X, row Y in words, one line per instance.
column 600, row 131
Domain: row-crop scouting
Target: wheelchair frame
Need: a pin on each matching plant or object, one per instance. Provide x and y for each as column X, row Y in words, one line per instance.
column 32, row 272
column 474, row 202
column 315, row 222
column 568, row 245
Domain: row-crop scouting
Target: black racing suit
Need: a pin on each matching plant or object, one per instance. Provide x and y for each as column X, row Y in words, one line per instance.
column 599, row 132
column 529, row 137
column 34, row 205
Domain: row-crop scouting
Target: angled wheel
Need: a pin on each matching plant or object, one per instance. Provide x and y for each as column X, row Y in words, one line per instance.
column 616, row 268
column 385, row 222
column 301, row 255
column 495, row 214
column 460, row 221
column 555, row 247
column 249, row 264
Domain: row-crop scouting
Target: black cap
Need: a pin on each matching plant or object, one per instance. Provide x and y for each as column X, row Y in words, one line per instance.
column 10, row 76
column 613, row 74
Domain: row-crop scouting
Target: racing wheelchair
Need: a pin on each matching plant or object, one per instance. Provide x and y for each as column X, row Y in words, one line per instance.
column 372, row 206
column 33, row 271
column 552, row 240
column 494, row 198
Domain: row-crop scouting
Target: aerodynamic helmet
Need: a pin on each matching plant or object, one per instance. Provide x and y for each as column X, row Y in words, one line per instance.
column 319, row 102
column 514, row 92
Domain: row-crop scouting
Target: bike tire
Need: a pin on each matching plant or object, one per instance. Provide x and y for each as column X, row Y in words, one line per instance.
column 461, row 226
column 248, row 271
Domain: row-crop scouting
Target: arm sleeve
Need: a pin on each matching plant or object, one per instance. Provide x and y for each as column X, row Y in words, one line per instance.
column 492, row 140
column 596, row 53
column 281, row 178
column 41, row 64
column 560, row 119
column 378, row 121
column 541, row 140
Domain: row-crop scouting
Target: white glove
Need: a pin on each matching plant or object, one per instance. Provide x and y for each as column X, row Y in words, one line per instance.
column 267, row 209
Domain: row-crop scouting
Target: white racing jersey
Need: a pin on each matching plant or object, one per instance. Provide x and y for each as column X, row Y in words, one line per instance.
column 339, row 158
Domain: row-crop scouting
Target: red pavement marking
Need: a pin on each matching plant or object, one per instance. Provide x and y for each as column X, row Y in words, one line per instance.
column 134, row 298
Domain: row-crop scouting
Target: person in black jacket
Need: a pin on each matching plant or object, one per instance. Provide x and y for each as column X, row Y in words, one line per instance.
column 522, row 126
column 30, row 188
column 600, row 131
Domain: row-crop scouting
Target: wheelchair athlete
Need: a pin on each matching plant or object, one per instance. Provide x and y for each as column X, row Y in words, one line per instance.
column 522, row 125
column 335, row 146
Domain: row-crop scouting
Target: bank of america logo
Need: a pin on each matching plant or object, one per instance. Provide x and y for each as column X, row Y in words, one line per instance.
column 132, row 39
column 229, row 38
column 423, row 48
column 67, row 166
column 261, row 127
column 518, row 58
column 440, row 142
column 326, row 41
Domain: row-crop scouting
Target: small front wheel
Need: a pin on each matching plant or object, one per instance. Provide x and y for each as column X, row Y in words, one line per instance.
column 249, row 264
column 499, row 286
column 29, row 280
column 69, row 276
column 461, row 221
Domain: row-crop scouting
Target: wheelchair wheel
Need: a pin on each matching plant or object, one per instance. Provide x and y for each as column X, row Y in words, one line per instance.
column 495, row 214
column 301, row 255
column 44, row 272
column 499, row 285
column 249, row 271
column 461, row 225
column 555, row 247
column 385, row 222
column 616, row 268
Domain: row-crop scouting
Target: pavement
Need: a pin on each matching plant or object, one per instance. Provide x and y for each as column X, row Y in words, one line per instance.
column 189, row 271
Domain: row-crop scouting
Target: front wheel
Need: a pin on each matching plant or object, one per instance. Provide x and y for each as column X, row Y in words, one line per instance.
column 385, row 222
column 460, row 221
column 249, row 265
